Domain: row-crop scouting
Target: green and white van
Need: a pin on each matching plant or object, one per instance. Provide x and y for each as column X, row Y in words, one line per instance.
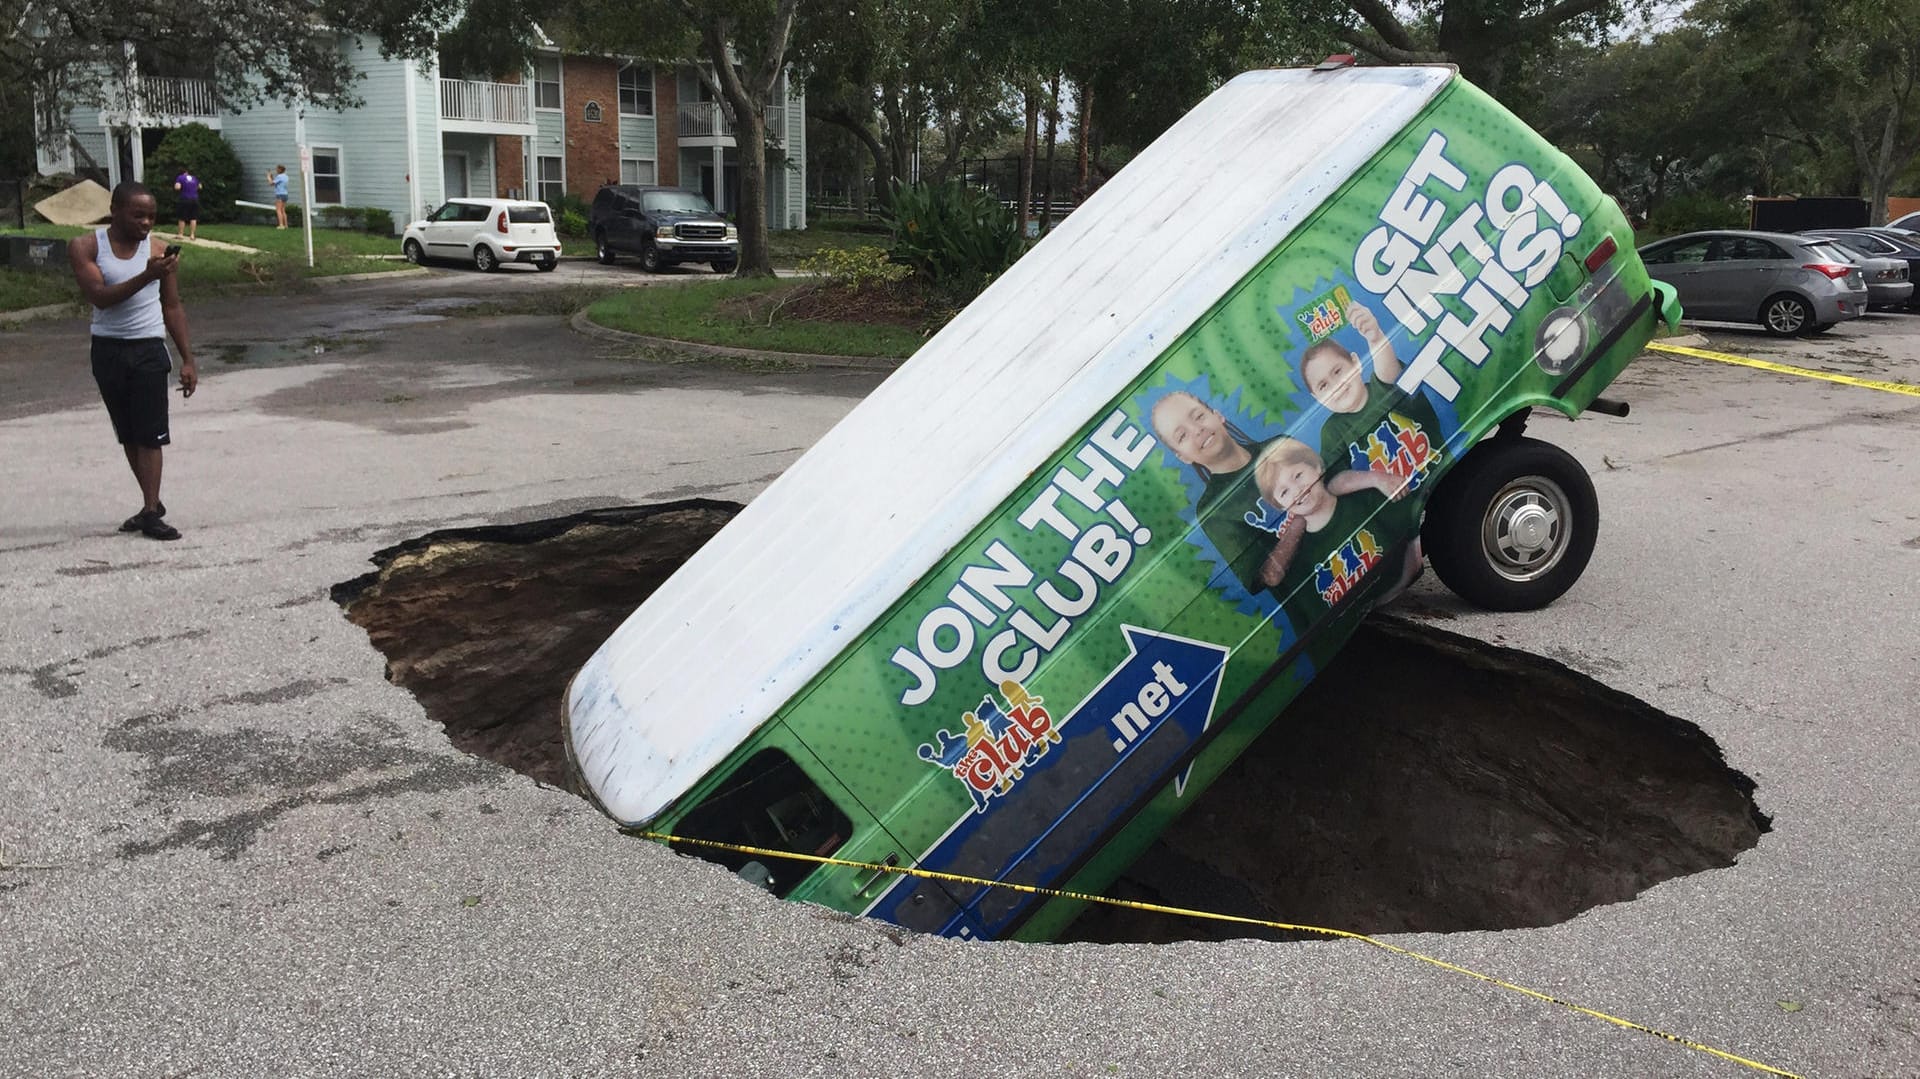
column 1016, row 612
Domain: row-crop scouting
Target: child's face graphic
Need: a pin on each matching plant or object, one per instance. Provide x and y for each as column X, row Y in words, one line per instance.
column 1296, row 488
column 1195, row 433
column 1333, row 377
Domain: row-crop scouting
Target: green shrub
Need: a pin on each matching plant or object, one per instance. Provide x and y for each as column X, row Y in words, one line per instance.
column 854, row 267
column 959, row 237
column 570, row 214
column 200, row 148
column 1697, row 210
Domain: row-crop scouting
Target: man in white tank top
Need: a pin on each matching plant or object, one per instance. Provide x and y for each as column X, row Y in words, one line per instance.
column 129, row 279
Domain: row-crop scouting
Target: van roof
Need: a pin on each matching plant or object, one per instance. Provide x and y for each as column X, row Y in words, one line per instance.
column 830, row 545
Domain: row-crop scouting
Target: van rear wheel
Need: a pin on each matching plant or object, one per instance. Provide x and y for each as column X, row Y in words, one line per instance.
column 1513, row 526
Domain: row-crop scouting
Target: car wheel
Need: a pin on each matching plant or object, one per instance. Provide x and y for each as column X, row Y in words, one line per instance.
column 601, row 251
column 725, row 267
column 1513, row 525
column 1785, row 315
column 414, row 252
column 484, row 259
column 650, row 259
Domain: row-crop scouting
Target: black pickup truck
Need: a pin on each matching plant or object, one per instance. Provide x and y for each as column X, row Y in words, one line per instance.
column 663, row 226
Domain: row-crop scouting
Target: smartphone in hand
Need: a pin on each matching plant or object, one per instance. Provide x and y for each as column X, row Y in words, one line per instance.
column 172, row 250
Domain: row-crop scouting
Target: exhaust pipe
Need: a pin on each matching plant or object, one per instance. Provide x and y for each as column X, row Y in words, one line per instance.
column 1607, row 406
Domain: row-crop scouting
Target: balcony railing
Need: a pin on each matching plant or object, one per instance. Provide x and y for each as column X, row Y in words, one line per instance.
column 706, row 119
column 154, row 97
column 177, row 97
column 485, row 102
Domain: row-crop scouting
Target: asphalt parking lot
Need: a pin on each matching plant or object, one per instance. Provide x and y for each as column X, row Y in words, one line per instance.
column 229, row 847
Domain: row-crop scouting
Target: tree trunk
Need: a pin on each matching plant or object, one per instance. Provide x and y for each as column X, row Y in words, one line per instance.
column 750, row 135
column 1080, row 188
column 747, row 101
column 883, row 174
column 1027, row 148
column 1053, row 130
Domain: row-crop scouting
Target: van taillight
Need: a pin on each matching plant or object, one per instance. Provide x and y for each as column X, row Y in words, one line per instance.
column 1598, row 256
column 500, row 222
column 1834, row 270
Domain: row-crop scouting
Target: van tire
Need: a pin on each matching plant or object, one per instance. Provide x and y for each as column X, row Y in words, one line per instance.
column 1512, row 527
column 484, row 259
column 1785, row 315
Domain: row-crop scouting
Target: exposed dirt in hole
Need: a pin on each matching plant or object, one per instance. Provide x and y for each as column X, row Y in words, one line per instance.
column 1509, row 791
column 486, row 625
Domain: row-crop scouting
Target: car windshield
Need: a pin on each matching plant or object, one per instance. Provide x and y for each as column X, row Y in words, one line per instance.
column 675, row 202
column 528, row 215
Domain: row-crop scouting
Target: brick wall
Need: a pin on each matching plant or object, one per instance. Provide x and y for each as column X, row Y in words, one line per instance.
column 593, row 150
column 510, row 166
column 510, row 157
column 666, row 119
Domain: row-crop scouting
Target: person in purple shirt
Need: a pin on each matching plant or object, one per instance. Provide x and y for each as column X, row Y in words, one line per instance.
column 188, row 185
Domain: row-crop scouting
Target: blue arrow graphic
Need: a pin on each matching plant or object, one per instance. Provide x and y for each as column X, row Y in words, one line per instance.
column 1119, row 746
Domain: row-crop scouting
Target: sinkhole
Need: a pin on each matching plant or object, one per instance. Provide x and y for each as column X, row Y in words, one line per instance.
column 1511, row 791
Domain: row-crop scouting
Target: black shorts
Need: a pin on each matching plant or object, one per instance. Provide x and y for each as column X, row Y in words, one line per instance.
column 189, row 210
column 132, row 375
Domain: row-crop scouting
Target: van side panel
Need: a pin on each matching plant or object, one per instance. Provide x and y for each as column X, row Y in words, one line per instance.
column 1074, row 673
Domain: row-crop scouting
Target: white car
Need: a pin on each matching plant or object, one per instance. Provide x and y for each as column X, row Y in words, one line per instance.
column 485, row 232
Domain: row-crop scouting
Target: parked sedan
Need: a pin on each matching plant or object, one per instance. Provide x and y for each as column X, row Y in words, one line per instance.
column 1788, row 284
column 1885, row 243
column 1909, row 223
column 1887, row 276
column 486, row 232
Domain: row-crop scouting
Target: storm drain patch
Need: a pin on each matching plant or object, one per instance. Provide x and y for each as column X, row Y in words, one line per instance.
column 1508, row 791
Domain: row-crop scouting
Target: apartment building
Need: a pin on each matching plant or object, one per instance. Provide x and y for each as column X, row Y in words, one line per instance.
column 420, row 135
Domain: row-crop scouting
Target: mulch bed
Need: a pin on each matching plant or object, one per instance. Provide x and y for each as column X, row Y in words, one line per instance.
column 907, row 304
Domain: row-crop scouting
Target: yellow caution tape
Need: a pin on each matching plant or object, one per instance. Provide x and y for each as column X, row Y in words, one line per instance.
column 1804, row 372
column 1156, row 908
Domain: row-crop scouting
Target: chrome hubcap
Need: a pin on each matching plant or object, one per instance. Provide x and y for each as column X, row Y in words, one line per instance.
column 1525, row 530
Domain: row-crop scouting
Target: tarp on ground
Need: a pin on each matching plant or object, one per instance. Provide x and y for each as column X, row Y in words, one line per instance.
column 85, row 203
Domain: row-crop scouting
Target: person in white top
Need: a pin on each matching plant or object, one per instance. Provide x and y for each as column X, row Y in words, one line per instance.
column 128, row 277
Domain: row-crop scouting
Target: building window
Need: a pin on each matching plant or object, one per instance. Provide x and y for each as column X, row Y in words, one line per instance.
column 546, row 82
column 553, row 182
column 326, row 176
column 636, row 91
column 635, row 171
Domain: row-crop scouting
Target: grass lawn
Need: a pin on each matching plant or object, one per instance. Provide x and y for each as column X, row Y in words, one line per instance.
column 789, row 246
column 713, row 313
column 280, row 260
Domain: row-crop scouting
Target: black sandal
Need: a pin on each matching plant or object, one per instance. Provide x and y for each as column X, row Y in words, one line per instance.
column 139, row 520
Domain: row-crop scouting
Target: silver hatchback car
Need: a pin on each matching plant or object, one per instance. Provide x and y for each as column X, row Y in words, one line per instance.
column 1789, row 284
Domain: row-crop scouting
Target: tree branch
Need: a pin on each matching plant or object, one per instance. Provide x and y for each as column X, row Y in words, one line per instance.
column 1381, row 50
column 1552, row 17
column 1381, row 18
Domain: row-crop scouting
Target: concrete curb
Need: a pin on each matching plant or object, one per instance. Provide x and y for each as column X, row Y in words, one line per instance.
column 584, row 325
column 377, row 275
column 52, row 310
